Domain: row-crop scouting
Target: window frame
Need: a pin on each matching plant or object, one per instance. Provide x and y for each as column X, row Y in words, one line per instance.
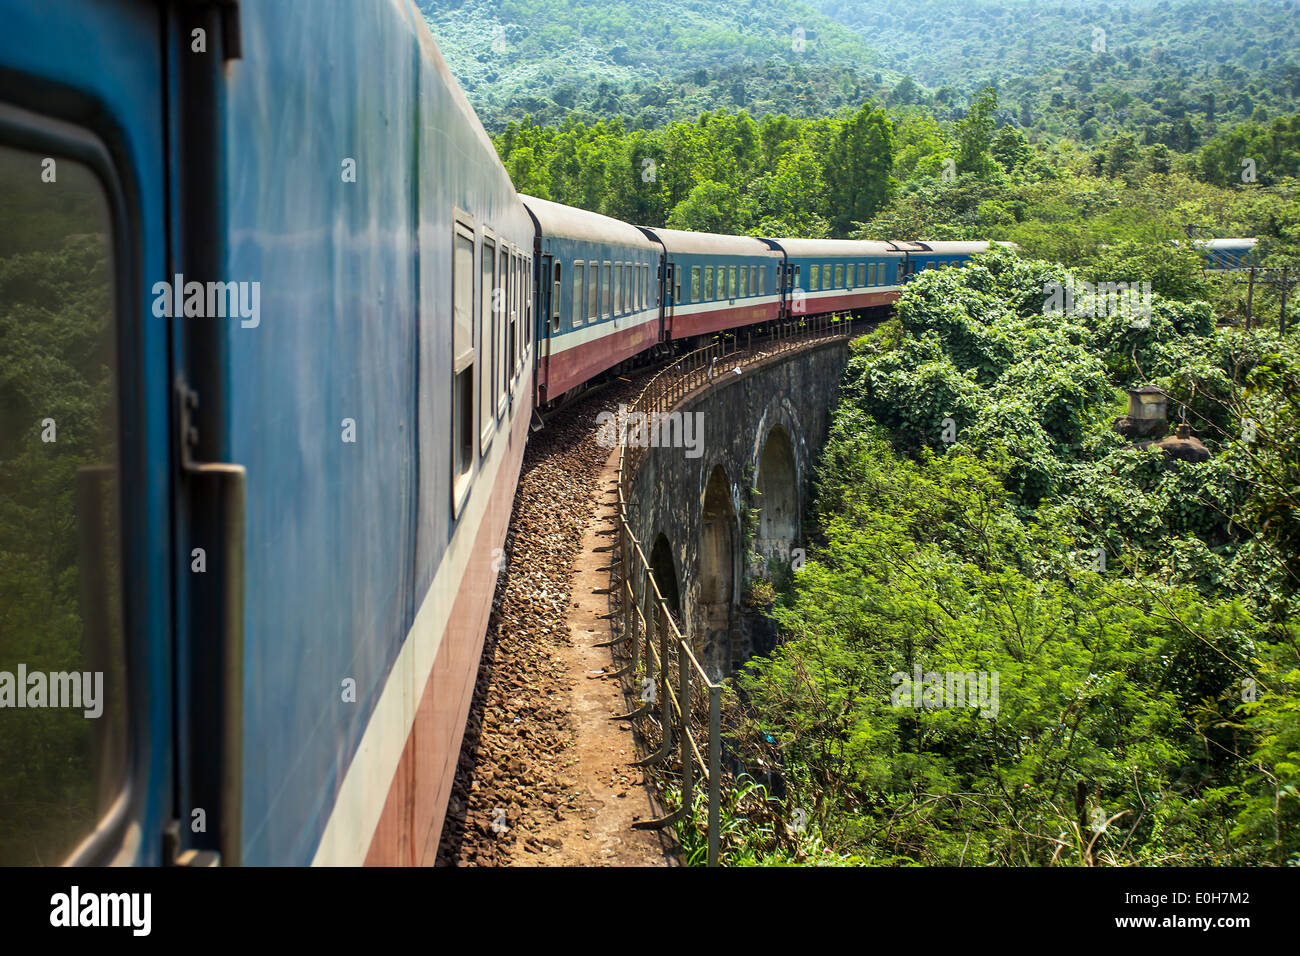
column 501, row 371
column 462, row 478
column 557, row 294
column 486, row 323
column 606, row 289
column 30, row 127
column 578, row 309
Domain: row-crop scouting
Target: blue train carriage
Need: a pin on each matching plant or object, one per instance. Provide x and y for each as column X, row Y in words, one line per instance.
column 1225, row 254
column 839, row 275
column 598, row 290
column 922, row 255
column 283, row 471
column 715, row 282
column 401, row 302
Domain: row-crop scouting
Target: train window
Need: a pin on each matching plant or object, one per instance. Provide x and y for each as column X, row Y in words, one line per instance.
column 618, row 288
column 839, row 275
column 814, row 277
column 731, row 282
column 579, row 287
column 512, row 338
column 744, row 282
column 62, row 766
column 695, row 283
column 753, row 280
column 500, row 306
column 462, row 350
column 708, row 282
column 593, row 291
column 521, row 303
column 487, row 319
column 862, row 274
column 606, row 289
column 556, row 286
column 629, row 299
column 526, row 329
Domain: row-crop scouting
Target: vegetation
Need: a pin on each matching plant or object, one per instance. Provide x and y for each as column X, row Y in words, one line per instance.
column 1138, row 611
column 1171, row 72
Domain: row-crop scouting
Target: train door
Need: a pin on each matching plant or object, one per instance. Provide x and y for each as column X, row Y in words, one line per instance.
column 669, row 300
column 86, row 574
column 550, row 276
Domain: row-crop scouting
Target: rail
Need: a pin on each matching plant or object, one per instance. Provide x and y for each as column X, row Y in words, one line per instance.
column 661, row 668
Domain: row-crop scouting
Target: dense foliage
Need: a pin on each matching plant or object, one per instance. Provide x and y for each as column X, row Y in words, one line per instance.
column 1145, row 709
column 1174, row 72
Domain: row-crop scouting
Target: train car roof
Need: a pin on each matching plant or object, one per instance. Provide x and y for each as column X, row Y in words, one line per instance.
column 835, row 247
column 957, row 248
column 1228, row 243
column 569, row 222
column 709, row 243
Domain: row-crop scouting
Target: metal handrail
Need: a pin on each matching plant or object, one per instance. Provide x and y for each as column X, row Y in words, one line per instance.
column 652, row 635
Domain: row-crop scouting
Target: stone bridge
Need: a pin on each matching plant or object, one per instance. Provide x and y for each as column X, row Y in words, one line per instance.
column 721, row 497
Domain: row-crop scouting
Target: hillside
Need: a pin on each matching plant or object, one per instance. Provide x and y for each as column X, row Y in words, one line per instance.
column 1171, row 71
column 653, row 60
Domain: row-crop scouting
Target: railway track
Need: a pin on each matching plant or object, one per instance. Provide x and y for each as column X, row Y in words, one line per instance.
column 514, row 780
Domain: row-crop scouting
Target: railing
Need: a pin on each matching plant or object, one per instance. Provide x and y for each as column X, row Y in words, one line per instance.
column 654, row 648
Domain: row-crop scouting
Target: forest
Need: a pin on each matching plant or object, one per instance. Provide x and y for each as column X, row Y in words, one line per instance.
column 976, row 513
column 1174, row 72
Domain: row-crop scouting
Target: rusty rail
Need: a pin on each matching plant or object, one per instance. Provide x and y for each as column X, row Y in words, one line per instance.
column 676, row 694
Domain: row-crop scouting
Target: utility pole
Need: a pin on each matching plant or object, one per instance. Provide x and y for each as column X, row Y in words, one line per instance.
column 1284, row 277
column 1285, row 286
column 1250, row 296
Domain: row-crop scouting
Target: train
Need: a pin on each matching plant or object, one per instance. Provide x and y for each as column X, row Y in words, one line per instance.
column 274, row 328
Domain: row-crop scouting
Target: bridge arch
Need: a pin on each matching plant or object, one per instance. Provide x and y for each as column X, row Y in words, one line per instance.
column 717, row 569
column 777, row 500
column 664, row 567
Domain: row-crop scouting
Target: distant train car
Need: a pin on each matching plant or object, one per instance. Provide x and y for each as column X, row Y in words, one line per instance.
column 715, row 282
column 937, row 255
column 1228, row 253
column 834, row 275
column 598, row 294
